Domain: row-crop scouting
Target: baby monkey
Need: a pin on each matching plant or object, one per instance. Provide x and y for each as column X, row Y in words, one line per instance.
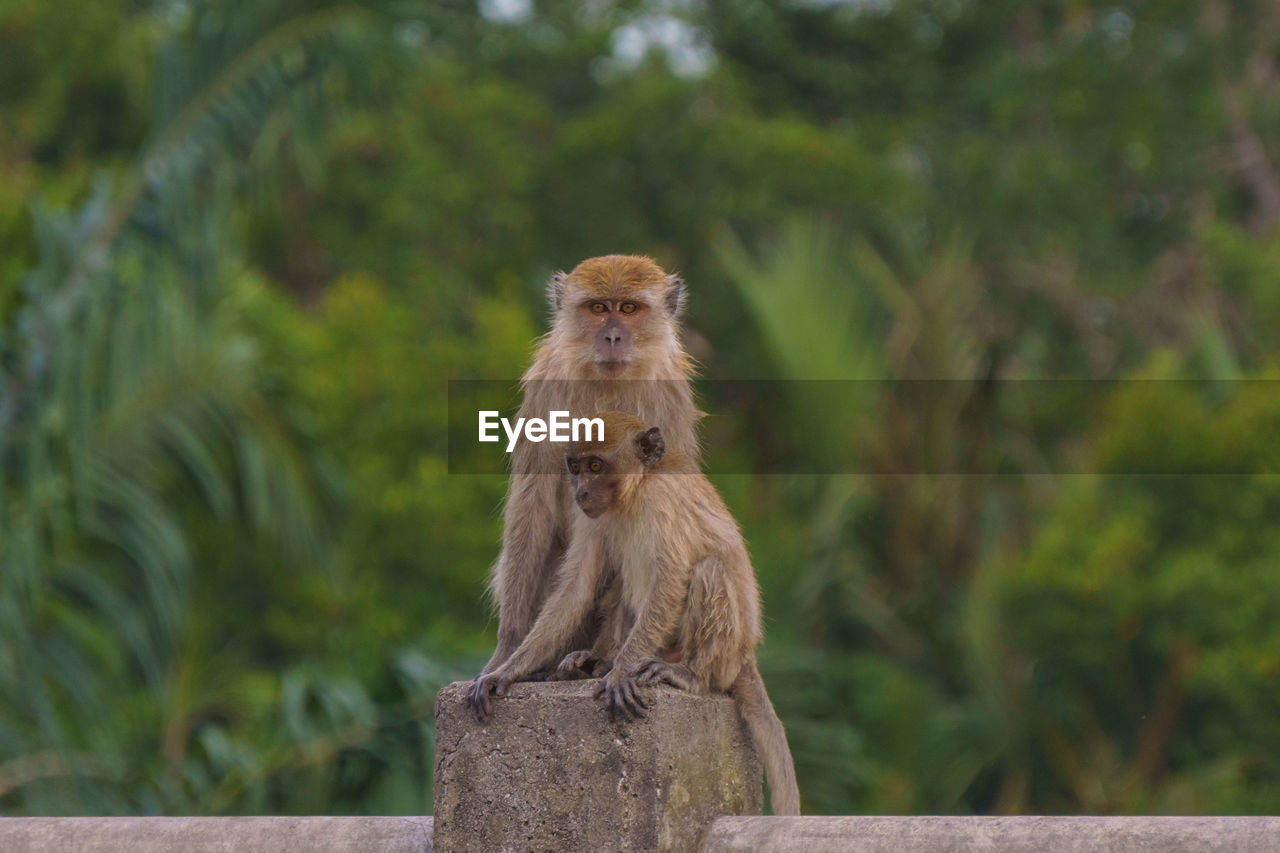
column 681, row 579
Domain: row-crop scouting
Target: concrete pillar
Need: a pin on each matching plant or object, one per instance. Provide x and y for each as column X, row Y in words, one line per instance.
column 549, row 771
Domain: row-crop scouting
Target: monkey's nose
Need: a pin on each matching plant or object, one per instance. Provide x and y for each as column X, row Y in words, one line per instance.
column 613, row 336
column 581, row 497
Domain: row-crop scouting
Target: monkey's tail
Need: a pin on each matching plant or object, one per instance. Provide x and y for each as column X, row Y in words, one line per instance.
column 771, row 739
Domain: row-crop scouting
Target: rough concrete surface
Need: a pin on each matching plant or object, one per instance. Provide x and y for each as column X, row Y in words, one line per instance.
column 996, row 834
column 215, row 834
column 550, row 772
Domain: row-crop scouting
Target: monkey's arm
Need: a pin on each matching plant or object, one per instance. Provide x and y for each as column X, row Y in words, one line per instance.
column 564, row 611
column 530, row 524
column 614, row 624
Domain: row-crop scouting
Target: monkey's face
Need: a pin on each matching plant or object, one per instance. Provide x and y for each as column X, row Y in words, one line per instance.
column 595, row 484
column 606, row 473
column 616, row 317
column 614, row 327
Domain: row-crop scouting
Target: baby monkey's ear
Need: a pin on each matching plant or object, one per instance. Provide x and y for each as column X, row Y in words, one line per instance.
column 650, row 447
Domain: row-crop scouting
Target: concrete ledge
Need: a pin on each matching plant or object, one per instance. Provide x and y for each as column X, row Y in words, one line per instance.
column 817, row 834
column 996, row 834
column 220, row 834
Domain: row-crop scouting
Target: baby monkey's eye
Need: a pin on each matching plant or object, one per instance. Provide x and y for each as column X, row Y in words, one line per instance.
column 573, row 466
column 628, row 307
column 594, row 466
column 599, row 308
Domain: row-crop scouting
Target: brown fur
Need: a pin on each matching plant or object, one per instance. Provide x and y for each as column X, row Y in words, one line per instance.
column 568, row 374
column 616, row 275
column 685, row 584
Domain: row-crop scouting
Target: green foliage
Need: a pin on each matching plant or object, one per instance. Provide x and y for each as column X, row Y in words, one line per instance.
column 244, row 247
column 1151, row 638
column 143, row 457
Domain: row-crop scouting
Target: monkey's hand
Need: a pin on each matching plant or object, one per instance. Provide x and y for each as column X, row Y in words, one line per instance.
column 660, row 671
column 621, row 695
column 478, row 696
column 580, row 664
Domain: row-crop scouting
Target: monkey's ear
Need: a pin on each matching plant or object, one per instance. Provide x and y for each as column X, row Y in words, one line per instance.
column 650, row 446
column 676, row 295
column 555, row 289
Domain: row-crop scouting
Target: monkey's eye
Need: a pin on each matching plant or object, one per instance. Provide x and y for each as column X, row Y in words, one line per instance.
column 599, row 308
column 594, row 466
column 628, row 308
column 573, row 466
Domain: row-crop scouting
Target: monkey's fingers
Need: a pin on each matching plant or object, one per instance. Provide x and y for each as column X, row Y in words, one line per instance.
column 623, row 701
column 574, row 665
column 475, row 702
column 613, row 700
column 478, row 696
column 654, row 671
column 631, row 698
column 648, row 671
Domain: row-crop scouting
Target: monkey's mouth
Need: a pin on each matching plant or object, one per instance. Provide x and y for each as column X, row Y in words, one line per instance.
column 612, row 368
column 590, row 509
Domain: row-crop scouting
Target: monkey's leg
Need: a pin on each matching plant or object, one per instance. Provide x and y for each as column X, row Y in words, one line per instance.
column 674, row 665
column 715, row 631
column 655, row 622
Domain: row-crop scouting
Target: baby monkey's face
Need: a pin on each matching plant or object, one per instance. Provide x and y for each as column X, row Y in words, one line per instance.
column 595, row 483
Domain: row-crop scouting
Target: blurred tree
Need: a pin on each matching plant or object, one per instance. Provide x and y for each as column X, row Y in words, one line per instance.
column 1141, row 624
column 134, row 428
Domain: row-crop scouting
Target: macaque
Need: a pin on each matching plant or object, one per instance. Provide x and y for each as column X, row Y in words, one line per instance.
column 614, row 344
column 684, row 581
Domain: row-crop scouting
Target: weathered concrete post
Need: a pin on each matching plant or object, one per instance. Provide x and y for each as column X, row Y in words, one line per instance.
column 549, row 771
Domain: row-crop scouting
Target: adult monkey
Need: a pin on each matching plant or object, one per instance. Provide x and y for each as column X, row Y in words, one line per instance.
column 614, row 344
